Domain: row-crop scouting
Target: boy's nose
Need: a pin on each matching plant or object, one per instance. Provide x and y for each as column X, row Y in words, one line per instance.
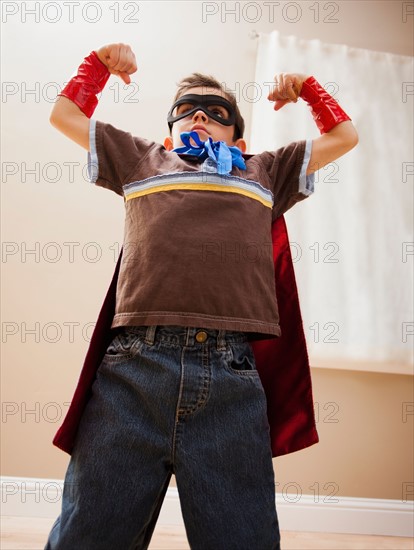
column 200, row 115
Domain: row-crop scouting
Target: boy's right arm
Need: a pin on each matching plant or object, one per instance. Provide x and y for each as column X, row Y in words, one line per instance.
column 68, row 118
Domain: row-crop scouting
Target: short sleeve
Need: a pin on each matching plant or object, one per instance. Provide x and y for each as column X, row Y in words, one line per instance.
column 286, row 169
column 114, row 155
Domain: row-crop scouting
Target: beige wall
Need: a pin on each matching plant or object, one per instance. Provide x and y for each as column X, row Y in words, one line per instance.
column 365, row 448
column 364, row 425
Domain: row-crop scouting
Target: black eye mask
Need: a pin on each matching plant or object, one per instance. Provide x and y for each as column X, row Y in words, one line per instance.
column 197, row 102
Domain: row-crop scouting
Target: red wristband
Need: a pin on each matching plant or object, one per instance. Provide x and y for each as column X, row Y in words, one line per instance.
column 325, row 110
column 90, row 80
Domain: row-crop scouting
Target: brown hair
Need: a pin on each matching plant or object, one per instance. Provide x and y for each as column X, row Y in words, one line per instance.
column 198, row 80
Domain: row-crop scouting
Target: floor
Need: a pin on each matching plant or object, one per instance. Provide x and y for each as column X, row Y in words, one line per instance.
column 18, row 533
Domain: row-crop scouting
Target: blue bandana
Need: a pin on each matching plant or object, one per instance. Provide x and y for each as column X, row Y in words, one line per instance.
column 224, row 156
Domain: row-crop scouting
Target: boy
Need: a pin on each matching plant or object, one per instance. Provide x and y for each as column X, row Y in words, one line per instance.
column 178, row 390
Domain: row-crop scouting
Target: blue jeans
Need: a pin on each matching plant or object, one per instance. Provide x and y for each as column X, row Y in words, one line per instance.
column 172, row 400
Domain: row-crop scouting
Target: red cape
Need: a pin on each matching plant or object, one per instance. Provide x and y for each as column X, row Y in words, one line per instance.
column 282, row 363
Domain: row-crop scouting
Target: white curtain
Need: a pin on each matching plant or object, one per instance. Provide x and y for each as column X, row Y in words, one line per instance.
column 352, row 240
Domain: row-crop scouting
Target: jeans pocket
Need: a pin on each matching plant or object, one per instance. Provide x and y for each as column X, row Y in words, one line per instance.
column 242, row 360
column 123, row 345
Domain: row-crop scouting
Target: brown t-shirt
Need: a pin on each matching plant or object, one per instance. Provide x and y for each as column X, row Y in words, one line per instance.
column 197, row 245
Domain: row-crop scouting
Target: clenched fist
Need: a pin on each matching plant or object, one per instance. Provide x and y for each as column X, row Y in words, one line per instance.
column 120, row 60
column 287, row 89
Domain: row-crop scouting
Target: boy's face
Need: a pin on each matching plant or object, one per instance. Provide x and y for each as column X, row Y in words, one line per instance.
column 204, row 125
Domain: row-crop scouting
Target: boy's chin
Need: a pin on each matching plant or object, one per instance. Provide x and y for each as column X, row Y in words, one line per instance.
column 202, row 135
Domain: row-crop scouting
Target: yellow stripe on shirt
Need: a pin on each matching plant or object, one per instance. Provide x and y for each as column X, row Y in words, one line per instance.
column 199, row 187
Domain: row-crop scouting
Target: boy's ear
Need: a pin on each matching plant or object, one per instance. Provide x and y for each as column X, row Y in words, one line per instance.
column 241, row 144
column 168, row 143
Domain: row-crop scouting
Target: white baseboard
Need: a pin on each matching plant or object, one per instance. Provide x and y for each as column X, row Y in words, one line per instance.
column 32, row 497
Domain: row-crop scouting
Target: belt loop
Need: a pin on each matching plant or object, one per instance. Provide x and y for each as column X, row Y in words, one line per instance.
column 221, row 340
column 150, row 335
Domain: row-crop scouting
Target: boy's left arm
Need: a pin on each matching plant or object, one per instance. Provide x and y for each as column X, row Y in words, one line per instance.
column 338, row 133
